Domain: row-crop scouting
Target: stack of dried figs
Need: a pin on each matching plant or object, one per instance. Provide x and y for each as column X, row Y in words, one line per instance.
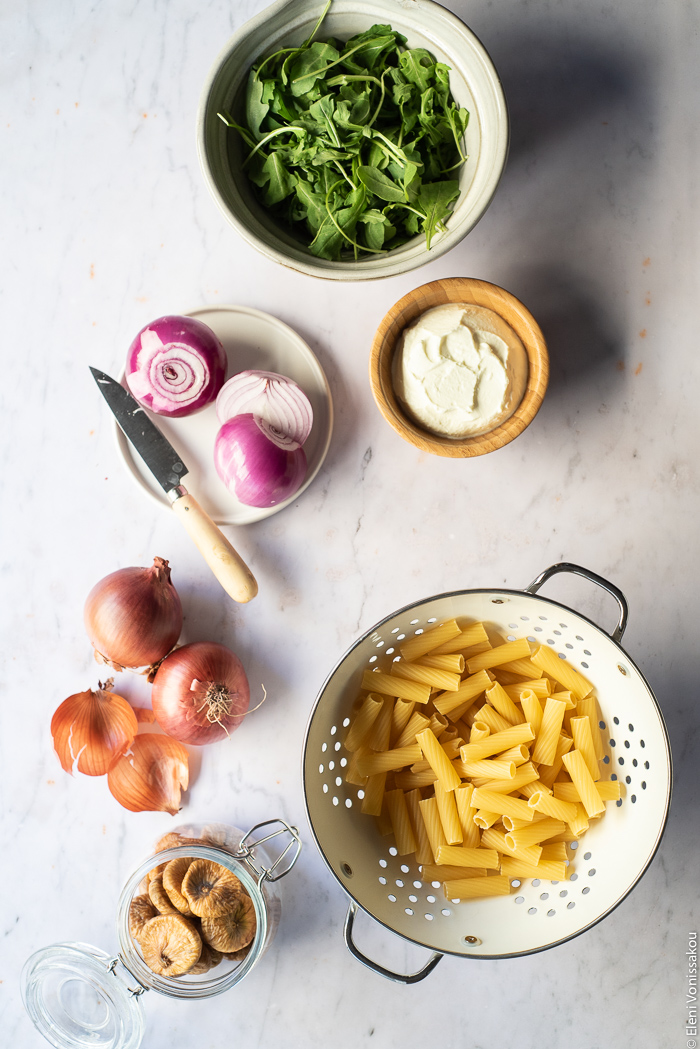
column 191, row 914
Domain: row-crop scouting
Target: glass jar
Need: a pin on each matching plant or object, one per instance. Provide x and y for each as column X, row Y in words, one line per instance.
column 77, row 995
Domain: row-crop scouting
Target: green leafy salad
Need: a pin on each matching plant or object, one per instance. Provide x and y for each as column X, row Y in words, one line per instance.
column 353, row 146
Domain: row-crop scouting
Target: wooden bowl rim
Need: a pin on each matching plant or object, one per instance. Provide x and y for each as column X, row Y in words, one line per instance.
column 474, row 292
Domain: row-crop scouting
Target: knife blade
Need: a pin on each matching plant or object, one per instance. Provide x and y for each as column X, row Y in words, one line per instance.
column 168, row 468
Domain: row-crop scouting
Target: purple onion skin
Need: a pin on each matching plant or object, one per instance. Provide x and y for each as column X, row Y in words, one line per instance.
column 253, row 468
column 187, row 332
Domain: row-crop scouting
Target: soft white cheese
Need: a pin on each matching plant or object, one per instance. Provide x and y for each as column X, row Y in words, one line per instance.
column 460, row 370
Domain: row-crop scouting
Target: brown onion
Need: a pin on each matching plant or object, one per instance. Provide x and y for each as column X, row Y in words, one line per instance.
column 200, row 693
column 150, row 774
column 91, row 729
column 133, row 617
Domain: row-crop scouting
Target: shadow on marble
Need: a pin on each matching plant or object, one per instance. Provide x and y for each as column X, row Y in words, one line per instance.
column 556, row 83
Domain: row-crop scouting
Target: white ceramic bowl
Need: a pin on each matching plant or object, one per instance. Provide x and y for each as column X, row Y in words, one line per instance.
column 474, row 83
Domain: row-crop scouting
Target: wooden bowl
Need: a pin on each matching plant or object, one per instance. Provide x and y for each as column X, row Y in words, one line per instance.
column 441, row 293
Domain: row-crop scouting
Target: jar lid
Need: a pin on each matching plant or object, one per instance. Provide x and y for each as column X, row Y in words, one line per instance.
column 78, row 996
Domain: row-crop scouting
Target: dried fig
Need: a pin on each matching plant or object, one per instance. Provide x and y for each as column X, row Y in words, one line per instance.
column 231, row 931
column 173, row 874
column 141, row 910
column 207, row 960
column 210, row 889
column 159, row 897
column 170, row 944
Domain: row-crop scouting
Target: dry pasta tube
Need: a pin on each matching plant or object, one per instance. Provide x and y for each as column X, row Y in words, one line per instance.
column 416, row 723
column 583, row 743
column 474, row 888
column 363, row 721
column 518, row 755
column 432, row 872
column 535, row 833
column 501, row 654
column 579, row 824
column 504, row 804
column 588, row 707
column 423, row 643
column 547, row 803
column 433, row 826
column 532, row 709
column 549, row 870
column 390, row 685
column 383, row 820
column 524, row 775
column 374, row 794
column 469, row 689
column 567, row 697
column 501, row 701
column 479, row 731
column 414, row 780
column 400, row 822
column 545, row 748
column 401, row 714
column 459, row 856
column 522, row 667
column 388, row 760
column 496, row 839
column 554, row 851
column 495, row 721
column 466, row 813
column 584, row 783
column 379, row 735
column 474, row 634
column 484, row 819
column 538, row 686
column 497, row 742
column 351, row 773
column 490, row 768
column 449, row 817
column 433, row 752
column 424, row 853
column 443, row 679
column 549, row 663
column 453, row 662
column 548, row 773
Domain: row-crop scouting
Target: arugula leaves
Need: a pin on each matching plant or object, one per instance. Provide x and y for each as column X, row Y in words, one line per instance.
column 353, row 146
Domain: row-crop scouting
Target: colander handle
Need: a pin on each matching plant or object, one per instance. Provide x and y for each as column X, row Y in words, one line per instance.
column 374, row 966
column 564, row 566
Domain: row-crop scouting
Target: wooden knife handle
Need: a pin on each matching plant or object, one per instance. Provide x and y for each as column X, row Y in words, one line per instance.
column 232, row 572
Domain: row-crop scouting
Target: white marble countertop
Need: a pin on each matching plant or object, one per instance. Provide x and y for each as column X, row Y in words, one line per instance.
column 107, row 224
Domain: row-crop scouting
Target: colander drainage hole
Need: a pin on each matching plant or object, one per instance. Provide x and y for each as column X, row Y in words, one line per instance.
column 520, row 899
column 346, row 869
column 472, row 940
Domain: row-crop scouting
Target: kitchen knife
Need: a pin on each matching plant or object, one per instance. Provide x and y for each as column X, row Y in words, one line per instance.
column 168, row 468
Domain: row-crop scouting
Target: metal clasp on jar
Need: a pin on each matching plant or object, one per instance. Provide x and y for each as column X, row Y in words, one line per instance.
column 246, row 849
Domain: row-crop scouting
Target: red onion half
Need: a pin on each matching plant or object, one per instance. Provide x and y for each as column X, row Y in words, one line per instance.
column 273, row 397
column 175, row 366
column 200, row 693
column 259, row 465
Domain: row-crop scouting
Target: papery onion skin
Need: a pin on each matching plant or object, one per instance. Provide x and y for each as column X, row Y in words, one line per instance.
column 200, row 693
column 133, row 616
column 175, row 366
column 91, row 729
column 150, row 774
column 273, row 397
column 254, row 463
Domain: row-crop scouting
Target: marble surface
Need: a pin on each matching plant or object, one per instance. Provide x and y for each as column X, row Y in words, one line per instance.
column 107, row 224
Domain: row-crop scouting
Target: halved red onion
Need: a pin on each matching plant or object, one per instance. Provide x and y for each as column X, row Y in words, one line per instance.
column 175, row 366
column 275, row 398
column 258, row 464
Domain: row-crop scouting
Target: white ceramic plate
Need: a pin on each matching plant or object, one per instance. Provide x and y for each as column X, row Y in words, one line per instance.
column 252, row 339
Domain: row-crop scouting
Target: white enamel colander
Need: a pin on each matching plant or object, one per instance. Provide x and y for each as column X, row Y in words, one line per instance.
column 609, row 860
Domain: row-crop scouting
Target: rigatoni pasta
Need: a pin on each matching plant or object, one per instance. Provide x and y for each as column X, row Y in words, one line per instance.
column 481, row 757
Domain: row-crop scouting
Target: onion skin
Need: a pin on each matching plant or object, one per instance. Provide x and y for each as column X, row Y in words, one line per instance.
column 133, row 616
column 200, row 693
column 150, row 774
column 255, row 468
column 91, row 729
column 175, row 366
